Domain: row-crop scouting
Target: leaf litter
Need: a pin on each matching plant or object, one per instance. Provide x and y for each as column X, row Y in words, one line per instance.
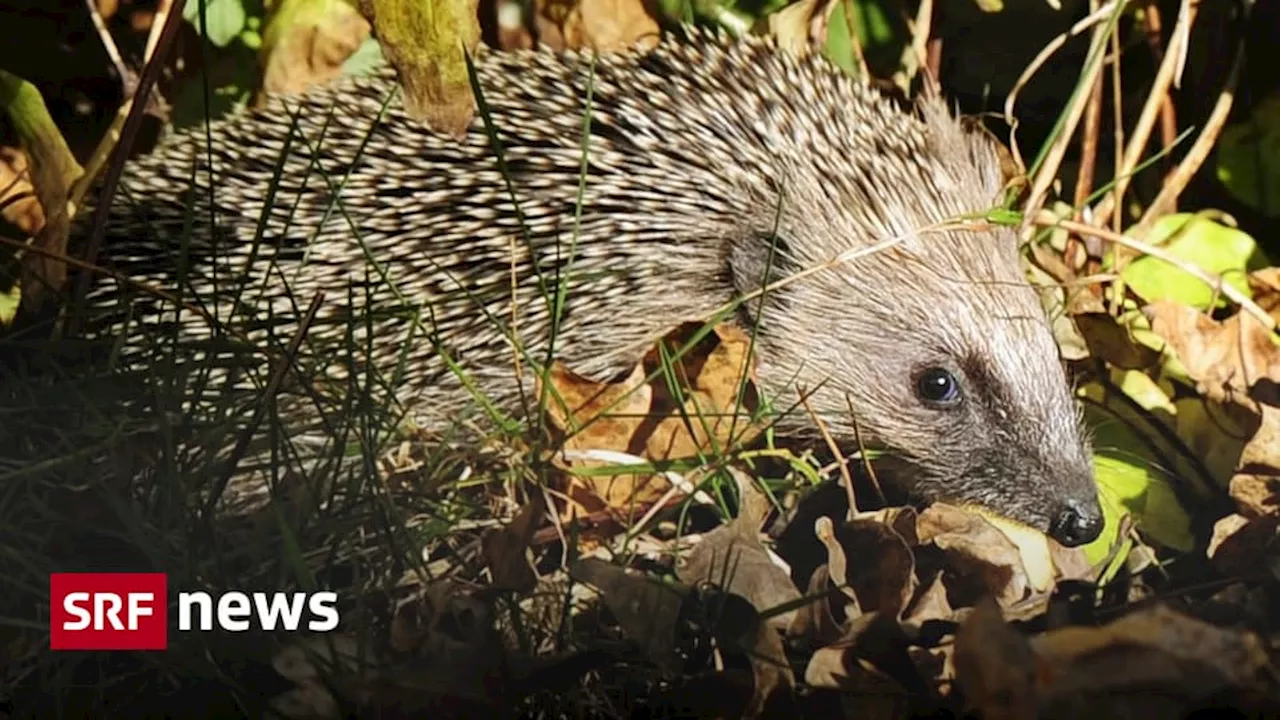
column 909, row 610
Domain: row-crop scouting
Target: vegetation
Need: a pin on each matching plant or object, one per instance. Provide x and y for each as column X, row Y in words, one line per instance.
column 481, row 579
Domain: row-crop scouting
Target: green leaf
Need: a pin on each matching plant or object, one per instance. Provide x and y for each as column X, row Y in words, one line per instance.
column 1249, row 158
column 224, row 19
column 366, row 60
column 9, row 302
column 1131, row 482
column 839, row 45
column 1201, row 242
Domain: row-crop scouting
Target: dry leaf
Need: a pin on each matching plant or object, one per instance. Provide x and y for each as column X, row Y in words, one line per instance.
column 977, row 551
column 1090, row 672
column 1109, row 340
column 18, row 203
column 645, row 420
column 995, row 666
column 1240, row 544
column 506, row 549
column 1226, row 358
column 1256, row 495
column 1265, row 284
column 801, row 27
column 816, row 624
column 872, row 661
column 601, row 25
column 648, row 610
column 869, row 556
column 306, row 42
column 732, row 558
column 932, row 604
column 1236, row 366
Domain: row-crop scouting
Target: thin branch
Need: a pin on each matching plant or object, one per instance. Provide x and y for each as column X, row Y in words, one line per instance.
column 1044, row 218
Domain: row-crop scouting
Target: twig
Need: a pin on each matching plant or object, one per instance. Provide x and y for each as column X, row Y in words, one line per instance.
column 1047, row 172
column 851, row 7
column 129, row 130
column 1168, row 119
column 108, row 42
column 1199, row 152
column 1043, row 56
column 1045, row 218
column 835, row 450
column 862, row 452
column 1146, row 120
column 916, row 54
column 1089, row 141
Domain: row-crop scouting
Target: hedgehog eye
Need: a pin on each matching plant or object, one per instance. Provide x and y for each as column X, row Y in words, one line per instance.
column 938, row 386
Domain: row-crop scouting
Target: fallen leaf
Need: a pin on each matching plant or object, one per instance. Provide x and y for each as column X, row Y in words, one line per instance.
column 506, row 549
column 870, row 558
column 801, row 27
column 1265, row 285
column 733, row 558
column 18, row 203
column 306, row 42
column 1150, row 653
column 1109, row 340
column 1240, row 545
column 647, row 610
column 1256, row 495
column 977, row 551
column 601, row 25
column 697, row 404
column 1226, row 359
column 995, row 666
column 52, row 170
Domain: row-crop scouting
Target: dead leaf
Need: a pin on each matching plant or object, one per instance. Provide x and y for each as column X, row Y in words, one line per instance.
column 872, row 661
column 506, row 549
column 653, row 421
column 18, row 203
column 1239, row 544
column 732, row 558
column 816, row 624
column 1109, row 340
column 1151, row 653
column 1256, row 495
column 932, row 604
column 456, row 657
column 995, row 666
column 648, row 610
column 874, row 561
column 306, row 42
column 51, row 171
column 1265, row 285
column 801, row 27
column 977, row 551
column 601, row 25
column 1226, row 358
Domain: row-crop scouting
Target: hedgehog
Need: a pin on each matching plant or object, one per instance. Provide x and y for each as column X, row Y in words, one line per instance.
column 645, row 187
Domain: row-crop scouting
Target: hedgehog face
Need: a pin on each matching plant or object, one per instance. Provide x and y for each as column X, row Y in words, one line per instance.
column 944, row 362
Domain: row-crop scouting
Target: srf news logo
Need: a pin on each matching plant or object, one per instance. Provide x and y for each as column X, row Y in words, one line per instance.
column 130, row 611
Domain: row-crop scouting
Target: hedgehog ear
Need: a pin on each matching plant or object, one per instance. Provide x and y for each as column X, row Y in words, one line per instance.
column 755, row 262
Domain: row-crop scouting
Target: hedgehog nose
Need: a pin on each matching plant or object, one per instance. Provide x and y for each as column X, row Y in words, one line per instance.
column 1076, row 523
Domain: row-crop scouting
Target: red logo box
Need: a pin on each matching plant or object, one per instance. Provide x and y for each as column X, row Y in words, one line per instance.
column 108, row 611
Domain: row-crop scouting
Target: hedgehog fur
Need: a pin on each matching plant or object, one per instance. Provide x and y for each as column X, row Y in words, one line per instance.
column 709, row 162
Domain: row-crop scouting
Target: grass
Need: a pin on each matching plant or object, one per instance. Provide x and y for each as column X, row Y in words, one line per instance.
column 101, row 468
column 119, row 466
